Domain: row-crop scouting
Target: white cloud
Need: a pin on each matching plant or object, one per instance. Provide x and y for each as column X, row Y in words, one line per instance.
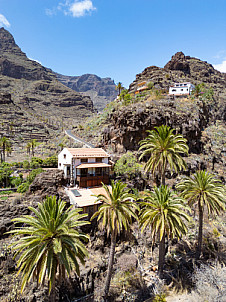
column 81, row 8
column 50, row 12
column 221, row 67
column 75, row 8
column 4, row 21
column 219, row 54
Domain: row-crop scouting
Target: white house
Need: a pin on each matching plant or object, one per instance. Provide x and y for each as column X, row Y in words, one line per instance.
column 86, row 167
column 181, row 89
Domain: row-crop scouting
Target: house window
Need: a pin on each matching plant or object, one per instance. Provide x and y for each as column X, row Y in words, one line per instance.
column 174, row 90
column 181, row 89
column 64, row 155
column 84, row 160
column 99, row 160
column 59, row 164
column 98, row 171
column 84, row 172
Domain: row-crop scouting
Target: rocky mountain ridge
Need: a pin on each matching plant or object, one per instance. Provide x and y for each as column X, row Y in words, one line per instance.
column 100, row 90
column 181, row 68
column 32, row 100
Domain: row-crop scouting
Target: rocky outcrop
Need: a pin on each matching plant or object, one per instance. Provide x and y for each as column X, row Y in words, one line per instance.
column 9, row 211
column 178, row 62
column 129, row 124
column 50, row 183
column 100, row 90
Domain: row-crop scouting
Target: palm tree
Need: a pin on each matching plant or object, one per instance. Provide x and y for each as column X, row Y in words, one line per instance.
column 61, row 145
column 165, row 149
column 5, row 145
column 116, row 214
column 51, row 243
column 164, row 212
column 119, row 87
column 33, row 143
column 28, row 148
column 203, row 190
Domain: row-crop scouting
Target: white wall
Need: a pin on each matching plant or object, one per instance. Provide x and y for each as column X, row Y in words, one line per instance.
column 185, row 88
column 64, row 161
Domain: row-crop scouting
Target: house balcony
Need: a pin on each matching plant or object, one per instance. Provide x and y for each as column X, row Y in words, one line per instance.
column 85, row 181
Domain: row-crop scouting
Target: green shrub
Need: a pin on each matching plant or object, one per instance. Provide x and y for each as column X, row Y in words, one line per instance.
column 160, row 298
column 16, row 181
column 5, row 172
column 34, row 165
column 33, row 174
column 26, row 164
column 6, row 192
column 150, row 85
column 50, row 162
column 128, row 164
column 4, row 198
column 37, row 159
column 23, row 187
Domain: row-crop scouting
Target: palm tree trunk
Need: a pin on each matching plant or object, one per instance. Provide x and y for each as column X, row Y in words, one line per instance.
column 3, row 151
column 163, row 179
column 110, row 264
column 161, row 256
column 52, row 297
column 199, row 248
column 164, row 174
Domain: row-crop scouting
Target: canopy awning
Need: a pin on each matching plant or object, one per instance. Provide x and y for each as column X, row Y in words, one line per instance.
column 93, row 165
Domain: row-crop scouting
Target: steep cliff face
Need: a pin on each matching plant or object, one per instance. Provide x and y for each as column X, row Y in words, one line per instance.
column 129, row 124
column 42, row 101
column 101, row 90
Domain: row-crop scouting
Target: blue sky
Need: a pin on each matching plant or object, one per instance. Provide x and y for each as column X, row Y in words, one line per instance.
column 116, row 38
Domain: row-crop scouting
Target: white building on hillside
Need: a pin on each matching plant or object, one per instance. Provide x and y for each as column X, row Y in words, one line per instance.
column 86, row 167
column 181, row 89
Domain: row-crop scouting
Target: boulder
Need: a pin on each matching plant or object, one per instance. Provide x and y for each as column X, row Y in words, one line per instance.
column 48, row 183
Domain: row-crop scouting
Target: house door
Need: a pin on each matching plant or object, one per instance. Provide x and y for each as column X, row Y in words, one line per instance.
column 68, row 171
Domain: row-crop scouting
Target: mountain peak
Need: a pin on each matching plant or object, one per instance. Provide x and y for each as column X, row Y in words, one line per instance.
column 178, row 62
column 8, row 44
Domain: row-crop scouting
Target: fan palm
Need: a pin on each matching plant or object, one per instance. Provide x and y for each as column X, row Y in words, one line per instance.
column 203, row 190
column 116, row 214
column 5, row 145
column 165, row 213
column 165, row 149
column 51, row 243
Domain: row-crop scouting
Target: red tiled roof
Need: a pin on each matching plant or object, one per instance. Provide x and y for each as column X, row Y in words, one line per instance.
column 88, row 152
